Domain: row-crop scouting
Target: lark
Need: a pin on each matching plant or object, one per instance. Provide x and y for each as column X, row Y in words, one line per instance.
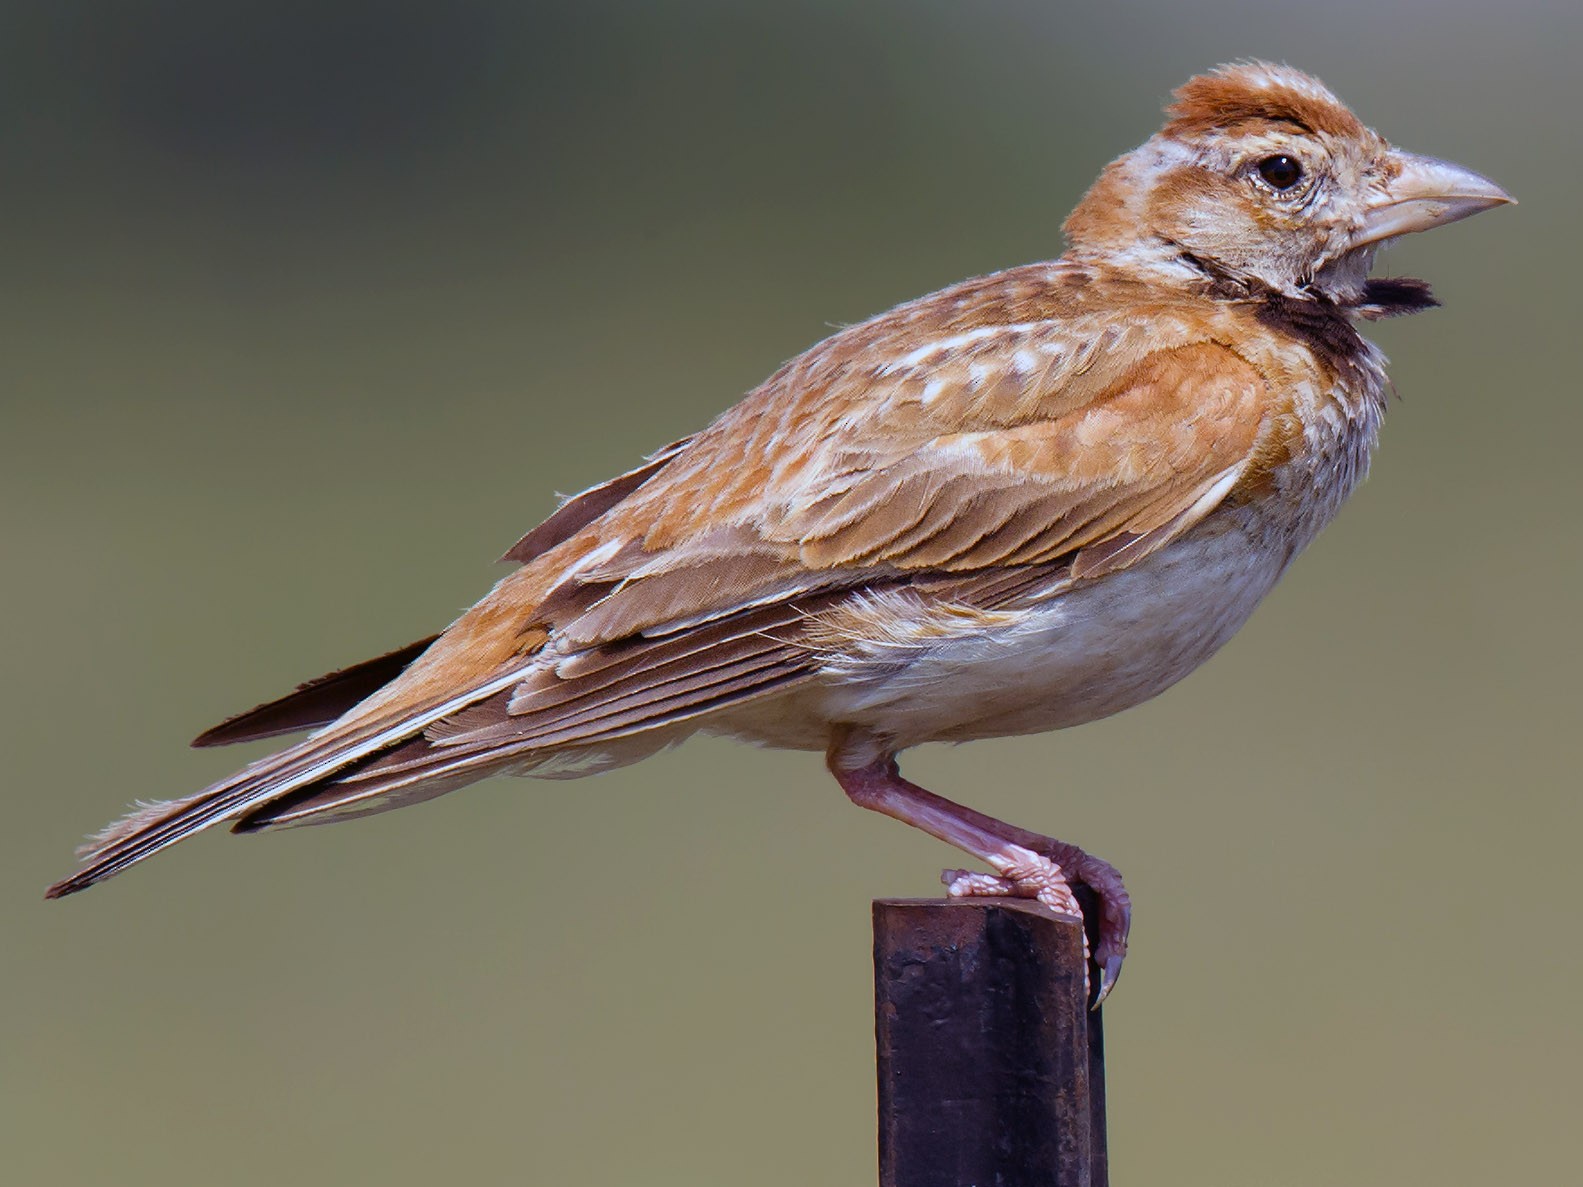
column 1024, row 502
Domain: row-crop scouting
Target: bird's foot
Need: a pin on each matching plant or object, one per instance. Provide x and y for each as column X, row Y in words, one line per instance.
column 1026, row 864
column 1021, row 872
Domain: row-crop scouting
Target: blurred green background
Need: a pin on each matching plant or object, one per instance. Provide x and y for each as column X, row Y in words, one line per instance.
column 308, row 311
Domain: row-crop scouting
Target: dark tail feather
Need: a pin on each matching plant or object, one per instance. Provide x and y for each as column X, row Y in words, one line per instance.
column 313, row 761
column 154, row 826
column 316, row 703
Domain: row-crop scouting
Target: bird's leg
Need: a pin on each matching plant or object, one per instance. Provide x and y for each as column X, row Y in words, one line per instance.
column 1026, row 864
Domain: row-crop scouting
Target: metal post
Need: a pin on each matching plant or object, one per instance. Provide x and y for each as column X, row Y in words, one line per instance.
column 991, row 1066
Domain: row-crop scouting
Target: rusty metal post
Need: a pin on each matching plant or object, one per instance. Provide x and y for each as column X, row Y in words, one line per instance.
column 991, row 1066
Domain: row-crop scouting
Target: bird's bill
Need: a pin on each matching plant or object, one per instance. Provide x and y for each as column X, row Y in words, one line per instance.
column 1427, row 193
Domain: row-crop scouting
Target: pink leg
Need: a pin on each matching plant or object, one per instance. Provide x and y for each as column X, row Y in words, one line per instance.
column 1026, row 864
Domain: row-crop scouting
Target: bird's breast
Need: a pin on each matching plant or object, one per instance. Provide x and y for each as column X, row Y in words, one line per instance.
column 1320, row 429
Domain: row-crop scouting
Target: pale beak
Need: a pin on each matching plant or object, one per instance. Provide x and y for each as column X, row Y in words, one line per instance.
column 1427, row 193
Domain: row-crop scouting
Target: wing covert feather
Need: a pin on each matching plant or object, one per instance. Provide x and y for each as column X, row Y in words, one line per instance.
column 1126, row 461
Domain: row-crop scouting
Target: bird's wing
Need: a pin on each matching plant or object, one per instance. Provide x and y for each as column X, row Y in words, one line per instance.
column 1001, row 452
column 927, row 442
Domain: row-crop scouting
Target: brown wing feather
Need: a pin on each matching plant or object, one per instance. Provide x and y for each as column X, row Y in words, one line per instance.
column 1134, row 455
column 321, row 701
column 316, row 703
column 581, row 510
column 644, row 685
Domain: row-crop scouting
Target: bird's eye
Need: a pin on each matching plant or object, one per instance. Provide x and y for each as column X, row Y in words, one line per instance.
column 1280, row 172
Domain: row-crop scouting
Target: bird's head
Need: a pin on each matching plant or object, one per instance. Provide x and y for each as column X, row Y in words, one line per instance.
column 1262, row 178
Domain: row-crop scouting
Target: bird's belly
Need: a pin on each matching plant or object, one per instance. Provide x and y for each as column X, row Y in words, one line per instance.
column 1082, row 654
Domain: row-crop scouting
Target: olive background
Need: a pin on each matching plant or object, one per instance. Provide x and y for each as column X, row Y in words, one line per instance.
column 308, row 312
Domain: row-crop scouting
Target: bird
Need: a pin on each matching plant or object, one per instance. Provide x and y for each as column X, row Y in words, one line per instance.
column 1024, row 502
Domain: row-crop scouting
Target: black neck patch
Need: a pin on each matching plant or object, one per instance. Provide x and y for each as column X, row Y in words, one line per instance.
column 1326, row 326
column 1394, row 297
column 1323, row 324
column 1319, row 323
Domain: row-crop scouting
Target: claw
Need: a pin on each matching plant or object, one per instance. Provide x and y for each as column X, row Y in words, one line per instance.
column 1109, row 970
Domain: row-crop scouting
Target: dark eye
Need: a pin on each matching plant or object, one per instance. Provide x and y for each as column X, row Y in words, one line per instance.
column 1281, row 171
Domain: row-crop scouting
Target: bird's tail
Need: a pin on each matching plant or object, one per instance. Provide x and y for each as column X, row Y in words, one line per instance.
column 317, row 759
